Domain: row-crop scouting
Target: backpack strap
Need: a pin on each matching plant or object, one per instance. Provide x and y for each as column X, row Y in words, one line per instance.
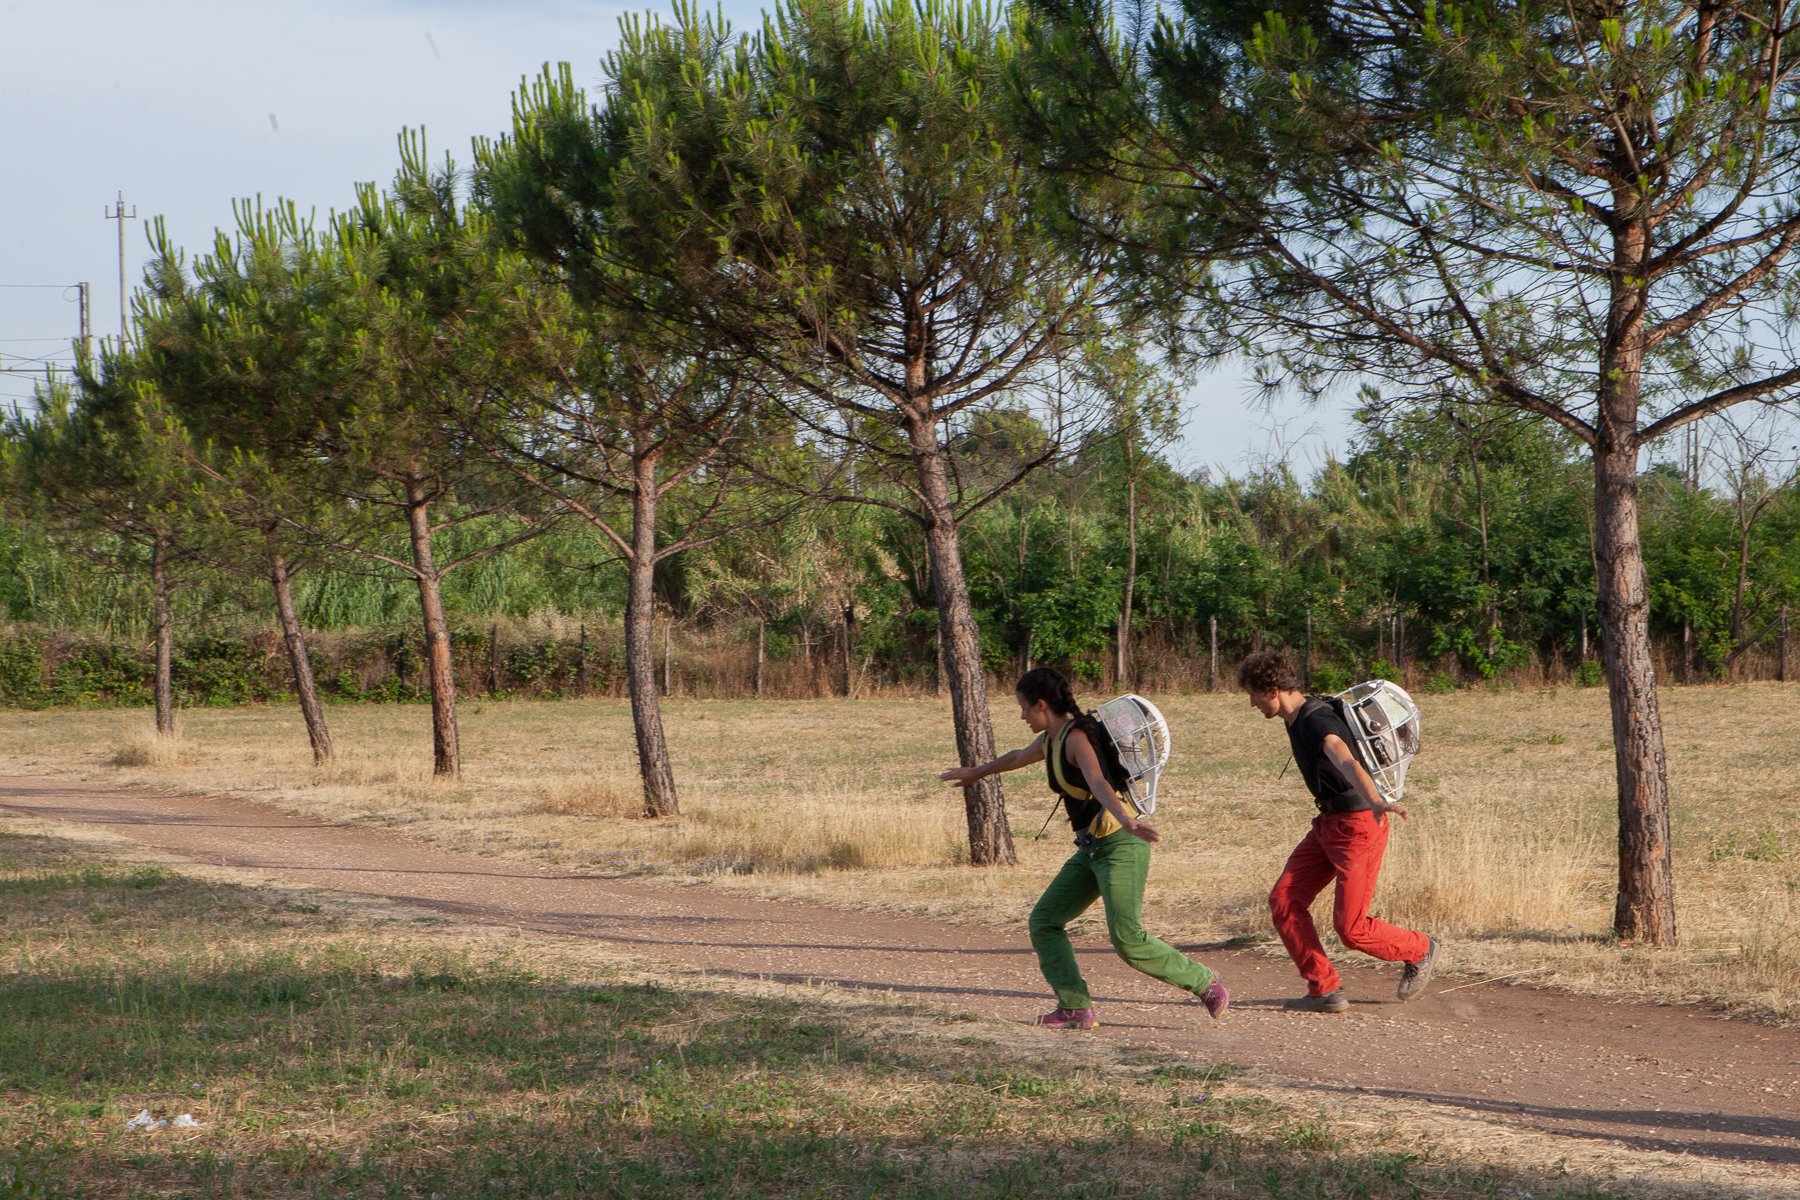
column 1076, row 795
column 1059, row 775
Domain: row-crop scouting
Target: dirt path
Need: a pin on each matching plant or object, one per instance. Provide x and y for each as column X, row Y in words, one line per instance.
column 1667, row 1079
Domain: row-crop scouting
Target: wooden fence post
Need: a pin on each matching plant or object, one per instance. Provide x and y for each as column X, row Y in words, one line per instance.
column 1212, row 654
column 1306, row 658
column 1781, row 673
column 756, row 681
column 849, row 627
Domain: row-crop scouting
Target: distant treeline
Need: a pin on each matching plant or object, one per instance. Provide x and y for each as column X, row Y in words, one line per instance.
column 1425, row 556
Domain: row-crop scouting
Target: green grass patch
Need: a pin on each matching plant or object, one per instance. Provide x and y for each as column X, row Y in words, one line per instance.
column 99, row 878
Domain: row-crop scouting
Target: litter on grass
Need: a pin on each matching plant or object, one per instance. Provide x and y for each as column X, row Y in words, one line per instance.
column 150, row 1124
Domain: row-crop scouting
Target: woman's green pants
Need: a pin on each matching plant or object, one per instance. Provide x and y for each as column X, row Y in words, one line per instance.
column 1111, row 870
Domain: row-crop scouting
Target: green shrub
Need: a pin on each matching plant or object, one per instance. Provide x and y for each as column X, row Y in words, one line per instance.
column 1438, row 683
column 1329, row 677
column 21, row 672
column 90, row 672
column 218, row 671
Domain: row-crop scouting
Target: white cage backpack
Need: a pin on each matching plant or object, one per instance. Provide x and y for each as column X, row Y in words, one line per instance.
column 1384, row 723
column 1140, row 737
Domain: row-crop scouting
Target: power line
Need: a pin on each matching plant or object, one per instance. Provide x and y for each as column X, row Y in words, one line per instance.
column 80, row 298
column 47, row 360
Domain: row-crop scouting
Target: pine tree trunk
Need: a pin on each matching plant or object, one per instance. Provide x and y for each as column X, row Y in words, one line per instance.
column 1646, row 902
column 1491, row 612
column 311, row 711
column 440, row 676
column 165, row 637
column 1740, row 617
column 1123, row 667
column 1645, row 910
column 640, row 650
column 990, row 837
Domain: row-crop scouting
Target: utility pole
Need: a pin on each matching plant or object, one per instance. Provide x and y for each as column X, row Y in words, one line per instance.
column 118, row 213
column 38, row 366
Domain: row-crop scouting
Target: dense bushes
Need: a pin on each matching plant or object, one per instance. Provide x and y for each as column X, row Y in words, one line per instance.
column 41, row 668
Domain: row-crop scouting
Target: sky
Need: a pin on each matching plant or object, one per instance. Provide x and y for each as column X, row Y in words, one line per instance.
column 185, row 106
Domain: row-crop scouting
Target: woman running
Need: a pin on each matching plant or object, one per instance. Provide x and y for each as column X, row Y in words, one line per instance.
column 1110, row 863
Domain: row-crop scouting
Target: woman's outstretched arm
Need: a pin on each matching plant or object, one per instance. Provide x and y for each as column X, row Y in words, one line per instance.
column 1012, row 760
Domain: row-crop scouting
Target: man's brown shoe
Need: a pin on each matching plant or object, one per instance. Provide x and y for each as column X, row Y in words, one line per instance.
column 1412, row 979
column 1330, row 1002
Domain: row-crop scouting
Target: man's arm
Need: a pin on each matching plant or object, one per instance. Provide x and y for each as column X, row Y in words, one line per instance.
column 1012, row 760
column 1351, row 768
column 1089, row 762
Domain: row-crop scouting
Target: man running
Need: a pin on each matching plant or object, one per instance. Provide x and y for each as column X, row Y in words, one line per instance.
column 1345, row 844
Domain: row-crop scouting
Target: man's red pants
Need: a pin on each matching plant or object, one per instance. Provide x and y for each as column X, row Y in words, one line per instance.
column 1346, row 847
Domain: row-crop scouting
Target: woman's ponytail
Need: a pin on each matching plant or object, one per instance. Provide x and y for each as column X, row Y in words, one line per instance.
column 1052, row 687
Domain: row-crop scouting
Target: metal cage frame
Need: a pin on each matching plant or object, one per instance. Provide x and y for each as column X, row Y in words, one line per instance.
column 1141, row 736
column 1385, row 723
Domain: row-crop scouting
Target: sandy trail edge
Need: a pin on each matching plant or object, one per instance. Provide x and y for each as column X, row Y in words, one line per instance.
column 1641, row 1076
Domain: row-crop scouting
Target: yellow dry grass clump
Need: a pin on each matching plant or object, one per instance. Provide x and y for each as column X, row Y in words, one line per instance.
column 1508, row 853
column 593, row 796
column 1484, row 872
column 159, row 751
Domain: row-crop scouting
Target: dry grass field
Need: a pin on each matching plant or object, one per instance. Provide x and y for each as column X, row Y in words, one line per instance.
column 1508, row 855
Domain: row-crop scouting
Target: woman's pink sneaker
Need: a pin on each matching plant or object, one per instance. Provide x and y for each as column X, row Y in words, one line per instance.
column 1216, row 999
column 1069, row 1018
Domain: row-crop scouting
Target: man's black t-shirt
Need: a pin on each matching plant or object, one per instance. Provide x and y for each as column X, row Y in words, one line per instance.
column 1331, row 791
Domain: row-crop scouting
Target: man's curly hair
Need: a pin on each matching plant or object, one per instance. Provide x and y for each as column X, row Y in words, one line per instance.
column 1268, row 670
